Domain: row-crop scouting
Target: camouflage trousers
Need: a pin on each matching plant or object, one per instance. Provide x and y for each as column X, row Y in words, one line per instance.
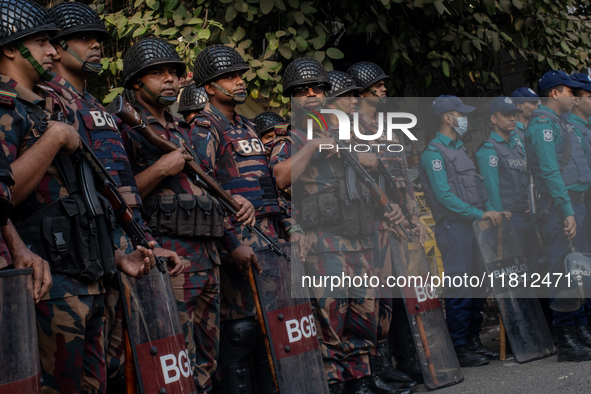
column 71, row 344
column 115, row 353
column 198, row 301
column 346, row 320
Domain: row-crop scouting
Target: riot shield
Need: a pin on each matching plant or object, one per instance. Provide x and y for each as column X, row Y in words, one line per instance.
column 19, row 353
column 577, row 285
column 522, row 315
column 435, row 350
column 289, row 322
column 160, row 353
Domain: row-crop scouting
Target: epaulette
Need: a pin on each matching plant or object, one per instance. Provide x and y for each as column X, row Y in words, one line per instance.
column 7, row 99
column 48, row 88
column 488, row 144
column 542, row 119
column 432, row 148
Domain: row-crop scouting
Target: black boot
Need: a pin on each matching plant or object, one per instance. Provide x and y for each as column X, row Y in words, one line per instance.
column 359, row 386
column 469, row 358
column 337, row 388
column 570, row 347
column 402, row 346
column 475, row 344
column 389, row 373
column 379, row 385
column 585, row 334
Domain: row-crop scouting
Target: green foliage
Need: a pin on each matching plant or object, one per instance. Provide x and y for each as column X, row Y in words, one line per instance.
column 416, row 41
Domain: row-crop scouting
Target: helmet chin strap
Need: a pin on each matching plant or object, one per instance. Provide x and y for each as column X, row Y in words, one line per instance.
column 93, row 68
column 45, row 75
column 163, row 100
column 237, row 98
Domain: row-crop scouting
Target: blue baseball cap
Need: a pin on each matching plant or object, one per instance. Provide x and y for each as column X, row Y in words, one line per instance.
column 446, row 103
column 524, row 95
column 504, row 105
column 582, row 78
column 556, row 78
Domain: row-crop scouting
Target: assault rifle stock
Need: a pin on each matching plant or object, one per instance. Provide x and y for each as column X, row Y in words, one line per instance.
column 108, row 189
column 129, row 115
column 376, row 193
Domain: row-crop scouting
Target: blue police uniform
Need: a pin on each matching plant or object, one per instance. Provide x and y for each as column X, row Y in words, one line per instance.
column 457, row 197
column 562, row 192
column 503, row 165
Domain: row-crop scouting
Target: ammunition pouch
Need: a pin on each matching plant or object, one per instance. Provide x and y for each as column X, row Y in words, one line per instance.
column 73, row 242
column 184, row 216
column 333, row 210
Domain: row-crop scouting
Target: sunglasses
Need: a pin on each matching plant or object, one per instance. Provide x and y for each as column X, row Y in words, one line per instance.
column 317, row 88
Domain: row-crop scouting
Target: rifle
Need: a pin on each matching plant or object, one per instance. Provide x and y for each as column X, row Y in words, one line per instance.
column 129, row 115
column 388, row 177
column 374, row 190
column 108, row 189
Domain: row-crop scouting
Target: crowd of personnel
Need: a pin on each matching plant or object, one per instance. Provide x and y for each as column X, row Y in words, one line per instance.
column 55, row 220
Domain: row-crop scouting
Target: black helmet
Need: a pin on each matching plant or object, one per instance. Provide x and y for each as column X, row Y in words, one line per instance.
column 366, row 74
column 21, row 18
column 148, row 52
column 341, row 83
column 216, row 60
column 192, row 99
column 129, row 96
column 303, row 71
column 74, row 17
column 265, row 121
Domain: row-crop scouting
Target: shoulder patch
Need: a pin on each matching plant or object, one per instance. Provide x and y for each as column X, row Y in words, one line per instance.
column 548, row 135
column 493, row 161
column 7, row 99
column 437, row 165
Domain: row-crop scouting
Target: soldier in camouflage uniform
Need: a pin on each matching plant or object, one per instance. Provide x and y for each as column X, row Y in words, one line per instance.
column 50, row 218
column 192, row 101
column 228, row 147
column 172, row 203
column 78, row 52
column 346, row 318
column 371, row 81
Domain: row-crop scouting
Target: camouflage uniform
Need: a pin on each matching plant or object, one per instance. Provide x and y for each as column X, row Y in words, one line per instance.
column 197, row 289
column 347, row 323
column 70, row 317
column 239, row 163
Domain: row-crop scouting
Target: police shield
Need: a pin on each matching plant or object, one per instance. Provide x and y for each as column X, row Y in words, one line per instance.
column 160, row 353
column 19, row 354
column 289, row 323
column 435, row 351
column 523, row 318
column 578, row 274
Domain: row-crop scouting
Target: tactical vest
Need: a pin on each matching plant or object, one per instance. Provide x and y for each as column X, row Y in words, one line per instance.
column 6, row 178
column 244, row 166
column 182, row 214
column 586, row 134
column 513, row 176
column 577, row 169
column 75, row 233
column 462, row 178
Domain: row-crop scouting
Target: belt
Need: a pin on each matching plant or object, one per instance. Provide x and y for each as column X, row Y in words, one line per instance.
column 574, row 196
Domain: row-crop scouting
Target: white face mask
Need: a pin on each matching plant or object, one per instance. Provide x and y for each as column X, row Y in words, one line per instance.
column 462, row 126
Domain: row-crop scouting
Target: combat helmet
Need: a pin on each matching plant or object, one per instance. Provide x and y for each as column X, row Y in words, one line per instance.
column 366, row 74
column 341, row 82
column 149, row 52
column 215, row 61
column 73, row 17
column 266, row 121
column 303, row 71
column 20, row 19
column 192, row 99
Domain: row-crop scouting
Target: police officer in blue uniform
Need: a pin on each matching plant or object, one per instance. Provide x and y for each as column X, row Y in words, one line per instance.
column 562, row 179
column 527, row 101
column 456, row 195
column 501, row 161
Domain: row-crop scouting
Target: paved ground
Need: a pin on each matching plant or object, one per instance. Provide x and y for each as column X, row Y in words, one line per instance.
column 508, row 377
